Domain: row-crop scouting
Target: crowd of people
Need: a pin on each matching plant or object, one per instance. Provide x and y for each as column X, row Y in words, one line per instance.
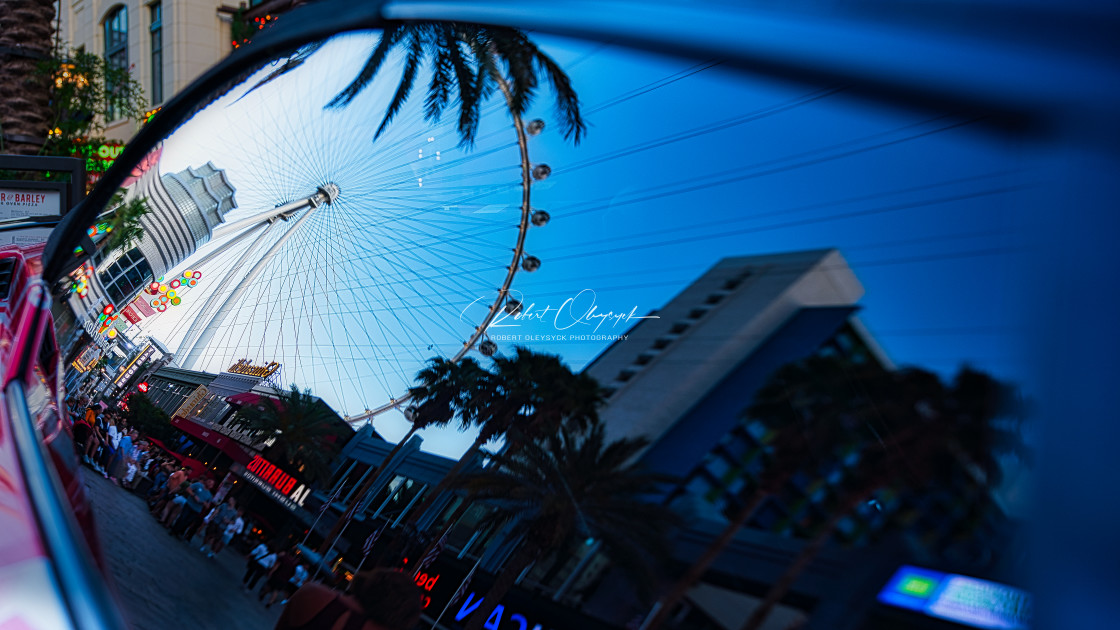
column 186, row 504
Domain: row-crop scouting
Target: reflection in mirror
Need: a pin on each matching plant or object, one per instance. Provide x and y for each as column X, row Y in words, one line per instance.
column 712, row 235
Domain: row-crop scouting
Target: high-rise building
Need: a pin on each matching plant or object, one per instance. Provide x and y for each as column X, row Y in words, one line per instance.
column 684, row 381
column 184, row 208
column 741, row 320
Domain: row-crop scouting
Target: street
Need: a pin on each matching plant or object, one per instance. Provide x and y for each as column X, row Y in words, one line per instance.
column 163, row 583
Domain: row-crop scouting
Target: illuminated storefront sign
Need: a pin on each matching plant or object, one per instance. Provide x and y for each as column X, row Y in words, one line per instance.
column 244, row 367
column 518, row 610
column 515, row 621
column 965, row 600
column 92, row 326
column 427, row 582
column 98, row 158
column 87, row 358
column 269, row 478
column 192, row 401
column 133, row 367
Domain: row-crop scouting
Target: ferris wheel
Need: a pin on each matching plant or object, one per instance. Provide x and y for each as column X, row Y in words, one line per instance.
column 348, row 260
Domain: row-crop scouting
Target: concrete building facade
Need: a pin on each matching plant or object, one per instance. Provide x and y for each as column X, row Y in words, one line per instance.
column 684, row 381
column 183, row 210
column 165, row 43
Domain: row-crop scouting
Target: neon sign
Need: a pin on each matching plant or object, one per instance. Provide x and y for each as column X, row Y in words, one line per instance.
column 495, row 619
column 134, row 366
column 281, row 486
column 98, row 158
column 244, row 367
column 427, row 583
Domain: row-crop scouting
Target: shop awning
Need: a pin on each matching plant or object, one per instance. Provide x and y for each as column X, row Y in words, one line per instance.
column 209, row 436
column 244, row 400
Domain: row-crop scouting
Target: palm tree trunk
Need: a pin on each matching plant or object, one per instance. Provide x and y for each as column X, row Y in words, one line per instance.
column 700, row 567
column 353, row 506
column 26, row 33
column 797, row 567
column 446, row 481
column 521, row 559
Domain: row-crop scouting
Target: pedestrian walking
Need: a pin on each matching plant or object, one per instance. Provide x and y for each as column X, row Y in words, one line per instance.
column 82, row 430
column 297, row 580
column 194, row 500
column 277, row 583
column 118, row 470
column 260, row 561
column 231, row 530
column 216, row 522
column 173, row 500
column 96, row 437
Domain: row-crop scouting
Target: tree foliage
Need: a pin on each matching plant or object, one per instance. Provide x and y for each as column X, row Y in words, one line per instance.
column 86, row 91
column 905, row 430
column 467, row 61
column 526, row 397
column 125, row 228
column 147, row 418
column 574, row 485
column 303, row 430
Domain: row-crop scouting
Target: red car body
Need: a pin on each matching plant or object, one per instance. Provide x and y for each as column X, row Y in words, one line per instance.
column 49, row 575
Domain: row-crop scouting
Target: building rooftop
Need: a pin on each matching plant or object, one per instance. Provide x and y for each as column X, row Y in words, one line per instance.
column 666, row 365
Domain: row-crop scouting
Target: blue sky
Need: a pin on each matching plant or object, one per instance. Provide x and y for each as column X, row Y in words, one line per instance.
column 684, row 163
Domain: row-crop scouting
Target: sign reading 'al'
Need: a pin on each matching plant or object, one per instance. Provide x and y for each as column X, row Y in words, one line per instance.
column 282, row 487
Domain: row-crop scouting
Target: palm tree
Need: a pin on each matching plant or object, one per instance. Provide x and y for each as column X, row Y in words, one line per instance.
column 442, row 393
column 26, row 31
column 467, row 61
column 303, row 430
column 528, row 396
column 574, row 485
column 799, row 405
column 927, row 430
column 125, row 227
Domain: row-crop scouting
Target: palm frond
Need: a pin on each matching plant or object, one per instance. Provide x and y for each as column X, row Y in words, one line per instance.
column 125, row 225
column 571, row 484
column 388, row 39
column 567, row 102
column 512, row 47
column 412, row 64
column 439, row 89
column 466, row 79
column 293, row 62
